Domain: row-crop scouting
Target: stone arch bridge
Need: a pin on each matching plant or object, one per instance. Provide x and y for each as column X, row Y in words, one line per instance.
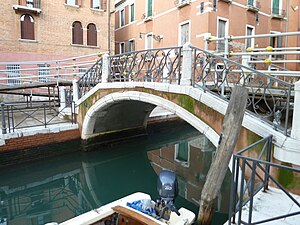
column 119, row 92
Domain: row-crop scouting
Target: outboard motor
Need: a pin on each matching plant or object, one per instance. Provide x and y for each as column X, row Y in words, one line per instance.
column 167, row 187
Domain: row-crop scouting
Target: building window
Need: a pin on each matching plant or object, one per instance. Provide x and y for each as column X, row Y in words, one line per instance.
column 122, row 48
column 27, row 27
column 130, row 46
column 44, row 72
column 276, row 42
column 184, row 33
column 149, row 8
column 77, row 33
column 122, row 18
column 91, row 35
column 71, row 2
column 249, row 41
column 276, row 7
column 29, row 3
column 149, row 41
column 132, row 13
column 182, row 153
column 222, row 32
column 95, row 4
column 252, row 3
column 13, row 71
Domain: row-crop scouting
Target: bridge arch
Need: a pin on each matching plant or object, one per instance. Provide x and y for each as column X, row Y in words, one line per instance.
column 149, row 100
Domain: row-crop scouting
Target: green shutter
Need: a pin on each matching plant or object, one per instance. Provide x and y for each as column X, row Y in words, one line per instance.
column 149, row 13
column 275, row 7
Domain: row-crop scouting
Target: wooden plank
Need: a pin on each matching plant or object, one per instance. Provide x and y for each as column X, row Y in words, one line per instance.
column 134, row 215
column 230, row 132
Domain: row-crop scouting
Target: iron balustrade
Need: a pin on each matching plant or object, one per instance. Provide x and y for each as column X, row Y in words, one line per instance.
column 19, row 115
column 259, row 176
column 269, row 97
column 91, row 78
column 153, row 65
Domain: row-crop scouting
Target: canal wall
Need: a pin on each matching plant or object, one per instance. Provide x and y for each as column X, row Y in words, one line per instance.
column 37, row 143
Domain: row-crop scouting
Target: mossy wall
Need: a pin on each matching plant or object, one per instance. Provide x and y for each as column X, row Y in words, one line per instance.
column 208, row 115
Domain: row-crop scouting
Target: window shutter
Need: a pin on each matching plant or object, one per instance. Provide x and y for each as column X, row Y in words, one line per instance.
column 27, row 28
column 104, row 5
column 127, row 47
column 91, row 35
column 77, row 33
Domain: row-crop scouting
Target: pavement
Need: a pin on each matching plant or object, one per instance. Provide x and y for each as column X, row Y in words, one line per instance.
column 271, row 204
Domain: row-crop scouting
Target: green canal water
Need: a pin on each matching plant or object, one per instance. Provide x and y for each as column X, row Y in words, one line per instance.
column 61, row 187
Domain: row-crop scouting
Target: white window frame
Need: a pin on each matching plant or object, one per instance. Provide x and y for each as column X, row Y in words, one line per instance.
column 253, row 33
column 226, row 26
column 132, row 40
column 129, row 17
column 179, row 31
column 120, row 16
column 146, row 39
column 99, row 4
column 68, row 2
column 43, row 72
column 13, row 71
column 183, row 163
column 146, row 9
column 122, row 43
column 280, row 7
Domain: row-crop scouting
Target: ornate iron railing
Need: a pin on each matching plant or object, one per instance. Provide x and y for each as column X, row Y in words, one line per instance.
column 153, row 65
column 269, row 97
column 249, row 176
column 91, row 78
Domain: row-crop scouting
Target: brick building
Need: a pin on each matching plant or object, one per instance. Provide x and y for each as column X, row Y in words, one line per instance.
column 155, row 24
column 43, row 30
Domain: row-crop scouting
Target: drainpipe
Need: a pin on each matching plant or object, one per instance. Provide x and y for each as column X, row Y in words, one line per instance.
column 108, row 25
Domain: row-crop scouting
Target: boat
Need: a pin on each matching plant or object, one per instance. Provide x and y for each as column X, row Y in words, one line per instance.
column 139, row 209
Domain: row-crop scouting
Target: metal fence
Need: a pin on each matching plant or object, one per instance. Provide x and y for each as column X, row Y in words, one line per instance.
column 269, row 97
column 153, row 65
column 20, row 115
column 254, row 176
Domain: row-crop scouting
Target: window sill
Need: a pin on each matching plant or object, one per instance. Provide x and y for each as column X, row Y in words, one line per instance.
column 98, row 10
column 22, row 8
column 148, row 18
column 28, row 40
column 276, row 16
column 183, row 3
column 72, row 6
column 85, row 46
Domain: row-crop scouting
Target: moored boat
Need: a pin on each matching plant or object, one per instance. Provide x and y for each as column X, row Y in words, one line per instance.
column 139, row 209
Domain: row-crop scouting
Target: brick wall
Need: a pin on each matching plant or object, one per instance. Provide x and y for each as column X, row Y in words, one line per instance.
column 28, row 142
column 38, row 147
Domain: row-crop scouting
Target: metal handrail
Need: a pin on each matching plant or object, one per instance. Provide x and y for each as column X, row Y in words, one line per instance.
column 155, row 65
column 269, row 97
column 33, row 111
column 91, row 78
column 259, row 178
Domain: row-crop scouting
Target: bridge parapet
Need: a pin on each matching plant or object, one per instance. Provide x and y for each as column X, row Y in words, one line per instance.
column 269, row 97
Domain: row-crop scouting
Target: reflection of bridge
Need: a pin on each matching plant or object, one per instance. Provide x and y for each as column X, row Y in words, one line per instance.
column 118, row 93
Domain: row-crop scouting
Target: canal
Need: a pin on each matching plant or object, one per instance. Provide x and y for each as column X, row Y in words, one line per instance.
column 61, row 187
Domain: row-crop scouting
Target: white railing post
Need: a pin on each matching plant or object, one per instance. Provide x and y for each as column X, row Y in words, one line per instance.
column 186, row 76
column 105, row 68
column 295, row 133
column 75, row 90
column 62, row 98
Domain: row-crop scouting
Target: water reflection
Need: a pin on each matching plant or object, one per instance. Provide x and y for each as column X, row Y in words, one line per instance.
column 58, row 189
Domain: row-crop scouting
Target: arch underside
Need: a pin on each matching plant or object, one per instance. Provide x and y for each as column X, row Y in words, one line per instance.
column 129, row 111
